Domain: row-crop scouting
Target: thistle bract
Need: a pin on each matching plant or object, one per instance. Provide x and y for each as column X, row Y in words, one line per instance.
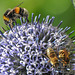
column 21, row 48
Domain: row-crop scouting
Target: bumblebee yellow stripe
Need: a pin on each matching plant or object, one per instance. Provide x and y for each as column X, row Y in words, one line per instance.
column 5, row 18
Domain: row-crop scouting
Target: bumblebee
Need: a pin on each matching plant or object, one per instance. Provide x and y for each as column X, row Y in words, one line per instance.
column 64, row 55
column 12, row 14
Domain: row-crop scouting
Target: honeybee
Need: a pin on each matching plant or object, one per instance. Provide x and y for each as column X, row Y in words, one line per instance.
column 64, row 55
column 52, row 57
column 12, row 14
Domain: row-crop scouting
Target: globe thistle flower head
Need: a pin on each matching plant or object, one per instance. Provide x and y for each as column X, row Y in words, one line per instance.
column 23, row 47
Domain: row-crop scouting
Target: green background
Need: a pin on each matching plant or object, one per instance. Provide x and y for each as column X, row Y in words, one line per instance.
column 61, row 9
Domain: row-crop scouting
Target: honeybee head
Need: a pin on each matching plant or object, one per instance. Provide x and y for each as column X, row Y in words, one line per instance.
column 61, row 54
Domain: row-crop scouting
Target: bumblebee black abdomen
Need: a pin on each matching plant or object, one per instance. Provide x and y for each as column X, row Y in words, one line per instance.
column 6, row 17
column 21, row 12
column 6, row 12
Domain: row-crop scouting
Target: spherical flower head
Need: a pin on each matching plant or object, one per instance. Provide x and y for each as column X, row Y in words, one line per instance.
column 23, row 48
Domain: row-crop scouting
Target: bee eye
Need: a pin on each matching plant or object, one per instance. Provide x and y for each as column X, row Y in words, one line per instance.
column 62, row 52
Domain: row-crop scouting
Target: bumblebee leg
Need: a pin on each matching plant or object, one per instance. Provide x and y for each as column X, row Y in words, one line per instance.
column 3, row 29
column 23, row 19
column 11, row 26
column 1, row 37
column 11, row 23
column 27, row 18
column 14, row 21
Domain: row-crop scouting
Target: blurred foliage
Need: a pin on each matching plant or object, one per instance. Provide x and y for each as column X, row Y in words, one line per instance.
column 73, row 2
column 61, row 9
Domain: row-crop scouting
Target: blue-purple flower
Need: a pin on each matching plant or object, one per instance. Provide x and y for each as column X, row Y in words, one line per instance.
column 22, row 46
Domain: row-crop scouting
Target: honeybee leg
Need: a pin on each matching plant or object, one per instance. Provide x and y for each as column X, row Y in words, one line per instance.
column 44, row 55
column 69, row 53
column 61, row 61
column 64, row 64
column 48, row 60
column 52, row 67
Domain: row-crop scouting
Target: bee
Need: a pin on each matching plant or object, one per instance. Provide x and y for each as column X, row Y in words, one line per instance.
column 64, row 55
column 52, row 57
column 11, row 15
